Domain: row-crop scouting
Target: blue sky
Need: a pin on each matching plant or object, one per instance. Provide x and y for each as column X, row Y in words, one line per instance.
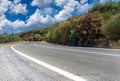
column 19, row 15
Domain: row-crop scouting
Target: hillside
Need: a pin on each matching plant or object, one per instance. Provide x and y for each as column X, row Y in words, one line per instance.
column 40, row 32
column 100, row 27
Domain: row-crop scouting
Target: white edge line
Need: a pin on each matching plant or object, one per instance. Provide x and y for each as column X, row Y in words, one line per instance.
column 98, row 53
column 50, row 67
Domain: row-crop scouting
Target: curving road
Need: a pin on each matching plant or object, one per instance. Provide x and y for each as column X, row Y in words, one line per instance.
column 34, row 61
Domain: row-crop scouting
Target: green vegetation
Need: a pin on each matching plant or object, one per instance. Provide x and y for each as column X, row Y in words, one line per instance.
column 82, row 32
column 109, row 7
column 4, row 38
column 112, row 29
column 60, row 34
column 37, row 37
column 100, row 27
column 41, row 31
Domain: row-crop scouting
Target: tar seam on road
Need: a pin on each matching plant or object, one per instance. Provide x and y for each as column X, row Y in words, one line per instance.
column 50, row 67
column 108, row 54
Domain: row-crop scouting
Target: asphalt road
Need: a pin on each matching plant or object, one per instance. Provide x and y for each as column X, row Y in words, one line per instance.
column 91, row 64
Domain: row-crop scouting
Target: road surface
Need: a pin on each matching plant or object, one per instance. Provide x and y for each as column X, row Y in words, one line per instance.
column 34, row 61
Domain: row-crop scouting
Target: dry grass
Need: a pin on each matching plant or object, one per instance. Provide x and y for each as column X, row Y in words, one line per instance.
column 115, row 45
column 11, row 43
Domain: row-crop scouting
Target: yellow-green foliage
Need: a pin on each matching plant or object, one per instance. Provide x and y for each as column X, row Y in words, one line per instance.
column 60, row 34
column 37, row 37
column 110, row 6
column 79, row 31
column 106, row 16
column 112, row 28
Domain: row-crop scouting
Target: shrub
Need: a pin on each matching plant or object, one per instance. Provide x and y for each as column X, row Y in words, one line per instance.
column 118, row 42
column 89, row 28
column 59, row 35
column 4, row 39
column 30, row 38
column 80, row 31
column 13, row 38
column 114, row 44
column 64, row 31
column 37, row 37
column 110, row 6
column 112, row 29
column 106, row 16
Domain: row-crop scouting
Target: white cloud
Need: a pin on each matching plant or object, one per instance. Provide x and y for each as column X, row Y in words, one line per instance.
column 18, row 24
column 48, row 11
column 3, row 21
column 6, row 23
column 15, row 7
column 66, row 11
column 47, row 20
column 42, row 3
column 83, row 8
column 37, row 18
column 83, row 1
column 18, row 8
column 4, row 4
column 61, row 2
column 34, row 19
column 16, row 1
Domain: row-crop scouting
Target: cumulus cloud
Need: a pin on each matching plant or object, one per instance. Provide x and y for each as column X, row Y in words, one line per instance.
column 4, row 4
column 34, row 19
column 15, row 7
column 49, row 11
column 61, row 2
column 18, row 8
column 4, row 22
column 83, row 1
column 83, row 8
column 16, row 1
column 42, row 3
column 66, row 11
column 37, row 18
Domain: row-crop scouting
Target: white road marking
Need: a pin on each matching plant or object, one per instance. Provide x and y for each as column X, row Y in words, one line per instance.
column 53, row 68
column 107, row 54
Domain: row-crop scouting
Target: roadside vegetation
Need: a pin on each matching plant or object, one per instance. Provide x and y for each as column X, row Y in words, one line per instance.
column 100, row 27
column 5, row 38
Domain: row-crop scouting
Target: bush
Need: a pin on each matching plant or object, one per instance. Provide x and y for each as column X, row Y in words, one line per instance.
column 4, row 38
column 80, row 31
column 37, row 37
column 89, row 28
column 118, row 42
column 110, row 6
column 114, row 44
column 106, row 16
column 112, row 29
column 30, row 38
column 14, row 38
column 59, row 35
